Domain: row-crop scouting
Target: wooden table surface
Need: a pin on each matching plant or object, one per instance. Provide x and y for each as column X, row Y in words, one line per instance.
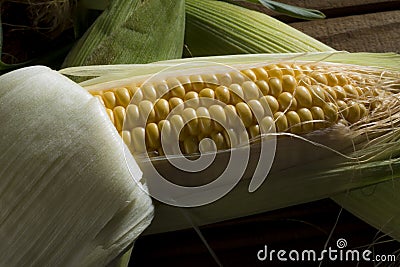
column 357, row 25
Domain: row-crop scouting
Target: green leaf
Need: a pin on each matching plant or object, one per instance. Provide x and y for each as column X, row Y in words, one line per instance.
column 132, row 32
column 293, row 11
column 220, row 28
column 289, row 10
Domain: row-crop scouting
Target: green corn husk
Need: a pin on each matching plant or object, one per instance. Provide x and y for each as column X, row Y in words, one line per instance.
column 220, row 28
column 377, row 205
column 132, row 31
column 323, row 173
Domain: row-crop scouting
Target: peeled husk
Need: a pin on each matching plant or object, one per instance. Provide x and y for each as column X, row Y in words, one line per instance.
column 69, row 194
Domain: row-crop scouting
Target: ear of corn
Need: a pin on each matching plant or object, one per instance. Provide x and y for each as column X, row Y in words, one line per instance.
column 69, row 194
column 340, row 168
column 220, row 28
column 130, row 32
column 290, row 97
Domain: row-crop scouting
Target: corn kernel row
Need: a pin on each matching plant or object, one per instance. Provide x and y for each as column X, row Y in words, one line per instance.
column 296, row 98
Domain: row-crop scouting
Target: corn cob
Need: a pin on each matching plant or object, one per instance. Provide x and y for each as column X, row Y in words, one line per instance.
column 289, row 97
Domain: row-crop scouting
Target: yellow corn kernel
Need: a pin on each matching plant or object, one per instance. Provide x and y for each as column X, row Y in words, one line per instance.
column 245, row 114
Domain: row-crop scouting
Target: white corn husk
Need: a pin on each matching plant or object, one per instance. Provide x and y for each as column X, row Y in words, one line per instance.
column 69, row 194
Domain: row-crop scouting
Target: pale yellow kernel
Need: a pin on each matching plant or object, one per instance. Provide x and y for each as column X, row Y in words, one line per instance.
column 360, row 92
column 237, row 77
column 363, row 110
column 342, row 80
column 250, row 90
column 173, row 82
column 297, row 70
column 244, row 113
column 249, row 74
column 237, row 95
column 340, row 92
column 149, row 92
column 152, row 136
column 177, row 125
column 231, row 115
column 289, row 83
column 263, row 86
column 257, row 109
column 356, row 77
column 110, row 115
column 303, row 97
column 186, row 83
column 319, row 78
column 331, row 112
column 100, row 99
column 294, row 121
column 210, row 80
column 286, row 69
column 354, row 112
column 318, row 117
column 190, row 145
column 219, row 140
column 330, row 93
column 161, row 107
column 224, row 79
column 191, row 99
column 254, row 130
column 274, row 71
column 178, row 91
column 280, row 121
column 139, row 139
column 137, row 95
column 261, row 74
column 126, row 137
column 275, row 86
column 351, row 91
column 176, row 105
column 190, row 119
column 222, row 94
column 270, row 104
column 119, row 117
column 122, row 96
column 132, row 117
column 267, row 125
column 332, row 79
column 287, row 101
column 146, row 111
column 197, row 82
column 204, row 120
column 306, row 120
column 306, row 68
column 217, row 114
column 342, row 108
column 109, row 99
column 231, row 138
column 318, row 95
column 207, row 93
column 165, row 129
column 303, row 80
